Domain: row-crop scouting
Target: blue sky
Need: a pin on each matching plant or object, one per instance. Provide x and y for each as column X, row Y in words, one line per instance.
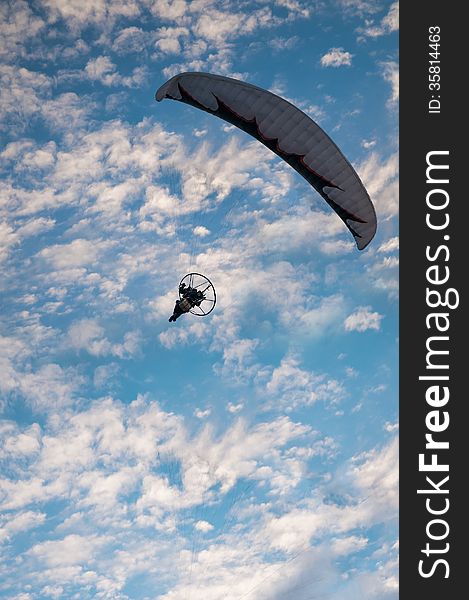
column 251, row 454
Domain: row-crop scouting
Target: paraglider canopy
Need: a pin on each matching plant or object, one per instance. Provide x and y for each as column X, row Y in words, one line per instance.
column 288, row 132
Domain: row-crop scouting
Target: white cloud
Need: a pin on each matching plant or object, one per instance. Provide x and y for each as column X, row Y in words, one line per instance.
column 203, row 526
column 299, row 387
column 380, row 177
column 336, row 57
column 48, row 387
column 373, row 476
column 390, row 245
column 337, row 247
column 390, row 72
column 78, row 253
column 71, row 550
column 217, row 26
column 311, row 227
column 102, row 69
column 15, row 149
column 170, row 10
column 8, row 238
column 88, row 335
column 130, row 39
column 201, row 231
column 67, row 111
column 78, row 14
column 51, row 387
column 296, row 7
column 238, row 359
column 84, row 461
column 281, row 43
column 76, row 452
column 385, row 274
column 26, row 95
column 36, row 226
column 351, row 372
column 368, row 144
column 111, row 199
column 377, row 472
column 168, row 39
column 20, row 522
column 29, row 157
column 202, row 414
column 388, row 24
column 348, row 545
column 206, row 31
column 363, row 319
column 22, row 94
column 168, row 45
column 320, row 319
column 172, row 338
column 361, row 7
column 105, row 375
column 18, row 444
column 18, row 26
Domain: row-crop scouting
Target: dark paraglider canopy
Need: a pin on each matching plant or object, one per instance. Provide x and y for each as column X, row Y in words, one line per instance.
column 288, row 132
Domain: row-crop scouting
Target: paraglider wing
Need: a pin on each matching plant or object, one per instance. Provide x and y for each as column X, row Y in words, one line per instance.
column 288, row 132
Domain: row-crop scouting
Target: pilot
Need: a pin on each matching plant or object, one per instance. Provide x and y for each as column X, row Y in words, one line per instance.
column 182, row 306
column 190, row 298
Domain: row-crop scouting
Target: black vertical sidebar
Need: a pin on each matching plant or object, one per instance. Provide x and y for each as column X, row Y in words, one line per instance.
column 434, row 254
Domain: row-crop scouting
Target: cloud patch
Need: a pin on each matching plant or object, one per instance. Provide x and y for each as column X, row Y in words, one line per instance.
column 336, row 57
column 363, row 319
